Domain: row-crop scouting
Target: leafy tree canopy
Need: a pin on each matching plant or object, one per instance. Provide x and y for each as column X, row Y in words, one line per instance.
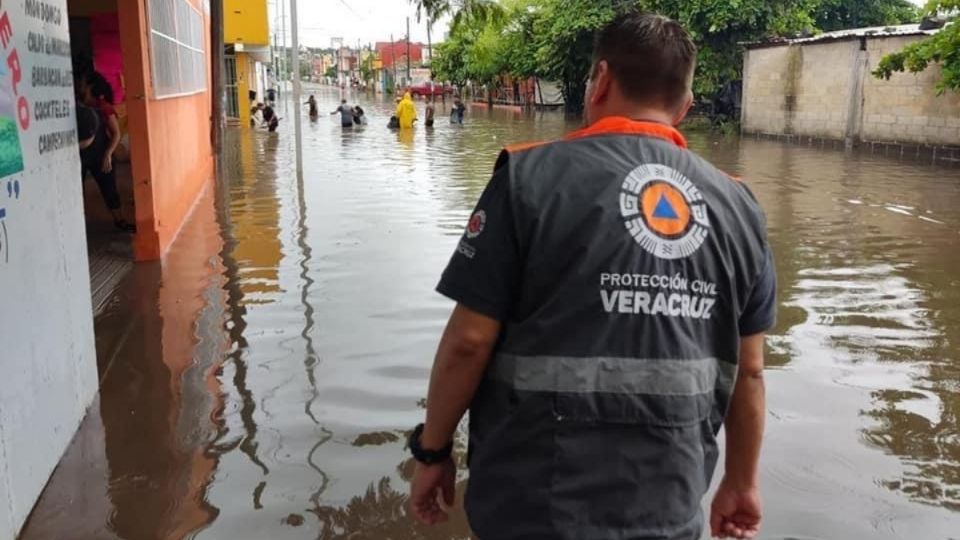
column 943, row 48
column 840, row 14
column 553, row 39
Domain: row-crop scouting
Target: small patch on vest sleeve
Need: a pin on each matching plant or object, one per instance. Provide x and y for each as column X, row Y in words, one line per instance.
column 476, row 224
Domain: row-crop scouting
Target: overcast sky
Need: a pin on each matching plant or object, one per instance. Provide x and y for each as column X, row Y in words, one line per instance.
column 366, row 20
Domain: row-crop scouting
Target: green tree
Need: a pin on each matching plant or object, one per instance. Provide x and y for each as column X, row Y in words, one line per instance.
column 366, row 69
column 718, row 28
column 331, row 72
column 473, row 52
column 941, row 48
column 463, row 11
column 564, row 32
column 553, row 39
column 833, row 15
column 517, row 43
column 449, row 61
column 460, row 10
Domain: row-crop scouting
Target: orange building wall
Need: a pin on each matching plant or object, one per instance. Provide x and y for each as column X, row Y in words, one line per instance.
column 172, row 158
column 182, row 159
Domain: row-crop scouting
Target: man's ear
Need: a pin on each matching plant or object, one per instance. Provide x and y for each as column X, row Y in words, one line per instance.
column 684, row 109
column 602, row 80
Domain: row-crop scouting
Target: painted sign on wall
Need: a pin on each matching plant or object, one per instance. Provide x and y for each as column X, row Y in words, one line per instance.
column 36, row 98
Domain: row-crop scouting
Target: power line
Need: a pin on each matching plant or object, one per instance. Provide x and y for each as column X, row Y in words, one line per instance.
column 346, row 5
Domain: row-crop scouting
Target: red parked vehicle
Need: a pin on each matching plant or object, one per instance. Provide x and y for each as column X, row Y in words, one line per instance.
column 424, row 90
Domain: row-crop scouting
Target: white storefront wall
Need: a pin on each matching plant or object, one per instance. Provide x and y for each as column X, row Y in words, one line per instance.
column 47, row 352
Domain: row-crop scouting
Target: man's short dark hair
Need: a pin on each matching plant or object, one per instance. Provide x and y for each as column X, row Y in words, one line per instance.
column 651, row 57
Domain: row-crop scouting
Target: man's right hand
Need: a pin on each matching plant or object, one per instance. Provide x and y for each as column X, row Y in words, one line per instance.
column 736, row 512
column 430, row 482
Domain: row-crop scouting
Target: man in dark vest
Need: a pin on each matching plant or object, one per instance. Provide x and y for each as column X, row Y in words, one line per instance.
column 613, row 290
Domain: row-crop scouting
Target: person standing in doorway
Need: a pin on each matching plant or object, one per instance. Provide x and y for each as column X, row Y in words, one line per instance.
column 429, row 114
column 314, row 111
column 346, row 114
column 613, row 290
column 97, row 158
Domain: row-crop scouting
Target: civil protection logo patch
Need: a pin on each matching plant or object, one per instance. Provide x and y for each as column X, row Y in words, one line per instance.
column 664, row 212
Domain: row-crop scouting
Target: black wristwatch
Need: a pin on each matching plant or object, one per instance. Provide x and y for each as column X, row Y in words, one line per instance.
column 427, row 457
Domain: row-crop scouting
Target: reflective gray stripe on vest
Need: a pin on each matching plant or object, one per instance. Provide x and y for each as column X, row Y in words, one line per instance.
column 628, row 376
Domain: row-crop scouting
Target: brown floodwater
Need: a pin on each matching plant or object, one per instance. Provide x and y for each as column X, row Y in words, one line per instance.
column 259, row 383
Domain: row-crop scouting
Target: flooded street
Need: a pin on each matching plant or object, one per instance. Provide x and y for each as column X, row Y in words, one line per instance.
column 260, row 383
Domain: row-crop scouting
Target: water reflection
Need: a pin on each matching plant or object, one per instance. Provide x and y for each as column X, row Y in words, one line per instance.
column 138, row 467
column 381, row 513
column 864, row 257
column 263, row 377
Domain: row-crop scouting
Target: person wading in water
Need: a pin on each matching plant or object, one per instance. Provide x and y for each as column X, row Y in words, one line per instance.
column 429, row 114
column 346, row 114
column 314, row 111
column 613, row 290
column 270, row 118
column 406, row 112
column 457, row 112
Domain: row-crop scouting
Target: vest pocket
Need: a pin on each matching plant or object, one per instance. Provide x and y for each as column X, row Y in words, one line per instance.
column 629, row 466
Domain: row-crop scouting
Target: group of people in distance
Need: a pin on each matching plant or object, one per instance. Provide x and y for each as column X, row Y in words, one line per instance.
column 263, row 115
column 406, row 114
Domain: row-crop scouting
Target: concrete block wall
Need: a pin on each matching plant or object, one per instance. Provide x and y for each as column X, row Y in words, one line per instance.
column 47, row 358
column 824, row 79
column 764, row 109
column 826, row 90
column 906, row 108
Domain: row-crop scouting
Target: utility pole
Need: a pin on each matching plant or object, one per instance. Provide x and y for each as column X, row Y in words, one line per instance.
column 216, row 76
column 430, row 52
column 275, row 48
column 408, row 50
column 393, row 58
column 283, row 48
column 274, row 57
column 294, row 30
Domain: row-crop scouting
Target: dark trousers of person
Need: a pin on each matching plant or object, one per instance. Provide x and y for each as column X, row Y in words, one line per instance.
column 346, row 125
column 106, row 182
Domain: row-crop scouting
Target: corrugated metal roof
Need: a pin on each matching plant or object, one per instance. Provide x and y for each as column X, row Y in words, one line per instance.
column 853, row 33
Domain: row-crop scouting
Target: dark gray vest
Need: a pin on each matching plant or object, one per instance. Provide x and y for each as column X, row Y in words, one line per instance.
column 599, row 413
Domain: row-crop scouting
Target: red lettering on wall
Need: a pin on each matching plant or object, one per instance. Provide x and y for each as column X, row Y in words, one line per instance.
column 6, row 31
column 13, row 62
column 23, row 112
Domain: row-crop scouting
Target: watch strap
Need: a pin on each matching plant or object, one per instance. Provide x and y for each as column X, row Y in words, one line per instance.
column 427, row 456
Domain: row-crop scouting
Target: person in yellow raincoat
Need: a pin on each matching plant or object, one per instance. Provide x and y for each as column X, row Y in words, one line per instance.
column 406, row 112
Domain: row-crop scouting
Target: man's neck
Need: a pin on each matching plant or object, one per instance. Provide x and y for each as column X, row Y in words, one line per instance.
column 643, row 114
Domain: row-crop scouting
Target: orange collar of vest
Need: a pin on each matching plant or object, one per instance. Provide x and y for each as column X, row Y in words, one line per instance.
column 626, row 126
